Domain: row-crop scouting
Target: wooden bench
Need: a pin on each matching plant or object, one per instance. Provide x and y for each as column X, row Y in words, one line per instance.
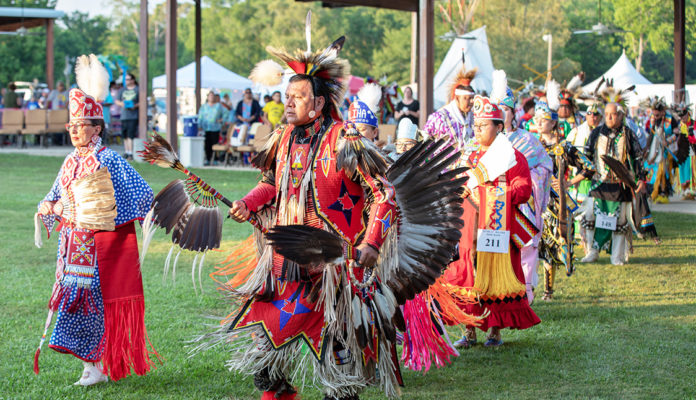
column 12, row 123
column 56, row 123
column 35, row 124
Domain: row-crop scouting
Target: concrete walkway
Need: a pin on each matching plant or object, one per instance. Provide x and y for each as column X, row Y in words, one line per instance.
column 677, row 205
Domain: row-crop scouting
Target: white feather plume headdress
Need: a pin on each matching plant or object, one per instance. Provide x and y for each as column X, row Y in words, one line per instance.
column 91, row 76
column 371, row 95
column 499, row 87
column 553, row 95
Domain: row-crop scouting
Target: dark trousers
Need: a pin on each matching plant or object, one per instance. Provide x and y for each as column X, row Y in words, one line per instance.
column 211, row 138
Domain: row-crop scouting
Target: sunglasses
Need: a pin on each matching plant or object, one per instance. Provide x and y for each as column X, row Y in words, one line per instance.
column 596, row 114
column 78, row 126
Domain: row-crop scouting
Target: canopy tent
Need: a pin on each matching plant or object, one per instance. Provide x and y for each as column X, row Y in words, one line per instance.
column 473, row 47
column 622, row 72
column 213, row 76
column 665, row 90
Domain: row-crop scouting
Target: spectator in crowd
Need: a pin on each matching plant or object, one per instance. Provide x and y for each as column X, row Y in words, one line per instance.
column 43, row 99
column 408, row 107
column 33, row 103
column 266, row 99
column 210, row 118
column 114, row 110
column 10, row 98
column 226, row 102
column 129, row 99
column 248, row 109
column 273, row 110
column 58, row 98
column 528, row 107
column 106, row 105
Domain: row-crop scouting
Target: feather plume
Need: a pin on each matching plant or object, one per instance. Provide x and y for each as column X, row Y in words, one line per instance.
column 553, row 93
column 91, row 76
column 308, row 31
column 371, row 94
column 499, row 86
column 575, row 83
column 161, row 153
column 267, row 73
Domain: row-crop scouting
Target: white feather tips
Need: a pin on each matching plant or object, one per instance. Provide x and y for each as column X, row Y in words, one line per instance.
column 574, row 83
column 267, row 73
column 371, row 94
column 308, row 31
column 499, row 88
column 553, row 93
column 91, row 76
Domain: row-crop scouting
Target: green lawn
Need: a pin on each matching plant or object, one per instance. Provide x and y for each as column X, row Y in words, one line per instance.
column 611, row 333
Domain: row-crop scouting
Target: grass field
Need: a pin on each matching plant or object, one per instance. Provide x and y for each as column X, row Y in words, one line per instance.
column 624, row 332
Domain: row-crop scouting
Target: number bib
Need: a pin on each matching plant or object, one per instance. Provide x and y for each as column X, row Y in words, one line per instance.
column 605, row 222
column 493, row 241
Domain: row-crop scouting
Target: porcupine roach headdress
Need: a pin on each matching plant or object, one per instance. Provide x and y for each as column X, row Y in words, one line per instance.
column 324, row 65
column 571, row 90
column 610, row 95
column 463, row 79
column 654, row 103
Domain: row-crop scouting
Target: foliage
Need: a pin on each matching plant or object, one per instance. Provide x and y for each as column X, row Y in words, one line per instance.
column 611, row 332
column 236, row 32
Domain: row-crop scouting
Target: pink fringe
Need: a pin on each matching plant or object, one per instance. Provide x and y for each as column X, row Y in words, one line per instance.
column 423, row 344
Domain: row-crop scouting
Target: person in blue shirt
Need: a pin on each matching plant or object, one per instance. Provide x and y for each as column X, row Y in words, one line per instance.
column 210, row 118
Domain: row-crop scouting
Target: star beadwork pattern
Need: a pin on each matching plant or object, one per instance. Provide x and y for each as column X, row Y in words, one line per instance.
column 345, row 203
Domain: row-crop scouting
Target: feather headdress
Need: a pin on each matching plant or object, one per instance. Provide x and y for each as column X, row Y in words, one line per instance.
column 682, row 108
column 553, row 95
column 91, row 76
column 499, row 89
column 572, row 90
column 371, row 95
column 654, row 102
column 324, row 65
column 463, row 78
column 611, row 95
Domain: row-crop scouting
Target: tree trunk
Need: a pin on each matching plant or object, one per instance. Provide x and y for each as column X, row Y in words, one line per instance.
column 639, row 60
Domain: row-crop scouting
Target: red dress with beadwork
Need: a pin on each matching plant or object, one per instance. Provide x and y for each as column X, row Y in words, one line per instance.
column 509, row 310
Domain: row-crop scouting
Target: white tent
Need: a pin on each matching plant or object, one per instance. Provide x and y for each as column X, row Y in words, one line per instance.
column 213, row 76
column 476, row 54
column 665, row 90
column 623, row 73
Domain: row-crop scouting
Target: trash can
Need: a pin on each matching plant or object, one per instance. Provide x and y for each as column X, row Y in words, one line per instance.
column 191, row 126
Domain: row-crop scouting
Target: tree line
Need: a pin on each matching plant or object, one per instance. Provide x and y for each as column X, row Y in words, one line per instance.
column 236, row 32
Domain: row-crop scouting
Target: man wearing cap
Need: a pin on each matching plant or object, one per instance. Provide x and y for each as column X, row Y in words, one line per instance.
column 406, row 134
column 364, row 109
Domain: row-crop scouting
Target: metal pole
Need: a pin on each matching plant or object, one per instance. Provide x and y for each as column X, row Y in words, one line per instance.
column 49, row 53
column 549, row 56
column 197, row 51
column 414, row 47
column 170, row 70
column 679, row 49
column 143, row 64
column 425, row 58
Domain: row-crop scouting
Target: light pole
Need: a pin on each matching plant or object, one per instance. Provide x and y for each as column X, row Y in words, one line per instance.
column 549, row 57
